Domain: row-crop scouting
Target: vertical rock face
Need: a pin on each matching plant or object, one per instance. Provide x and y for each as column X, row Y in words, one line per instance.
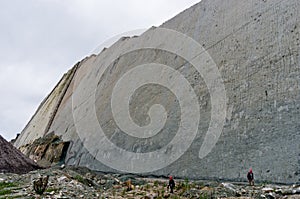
column 42, row 120
column 209, row 94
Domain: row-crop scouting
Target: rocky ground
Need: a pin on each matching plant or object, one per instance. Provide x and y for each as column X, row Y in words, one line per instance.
column 83, row 183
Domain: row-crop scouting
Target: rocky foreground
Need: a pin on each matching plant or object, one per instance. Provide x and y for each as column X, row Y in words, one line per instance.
column 83, row 183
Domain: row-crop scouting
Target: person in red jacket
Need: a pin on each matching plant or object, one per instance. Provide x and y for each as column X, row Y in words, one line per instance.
column 171, row 184
column 250, row 177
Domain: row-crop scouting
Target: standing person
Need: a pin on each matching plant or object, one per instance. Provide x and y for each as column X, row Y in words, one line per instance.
column 171, row 184
column 250, row 177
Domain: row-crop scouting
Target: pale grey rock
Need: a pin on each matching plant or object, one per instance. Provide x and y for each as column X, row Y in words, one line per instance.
column 255, row 46
column 267, row 189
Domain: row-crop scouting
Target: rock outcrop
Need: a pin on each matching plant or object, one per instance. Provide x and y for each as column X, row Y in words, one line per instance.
column 13, row 161
column 208, row 94
column 46, row 151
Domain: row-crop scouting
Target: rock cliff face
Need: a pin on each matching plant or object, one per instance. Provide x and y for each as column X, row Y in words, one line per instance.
column 208, row 94
column 47, row 150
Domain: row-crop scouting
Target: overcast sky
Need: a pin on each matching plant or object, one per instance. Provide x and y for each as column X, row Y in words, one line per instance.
column 41, row 39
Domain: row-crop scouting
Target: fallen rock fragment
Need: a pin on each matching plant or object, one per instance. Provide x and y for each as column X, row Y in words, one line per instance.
column 267, row 189
column 40, row 185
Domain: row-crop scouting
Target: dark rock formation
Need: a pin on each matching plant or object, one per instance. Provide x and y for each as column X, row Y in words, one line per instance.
column 47, row 150
column 13, row 161
column 40, row 185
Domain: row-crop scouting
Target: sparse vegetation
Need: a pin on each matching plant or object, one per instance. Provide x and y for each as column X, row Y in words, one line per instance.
column 7, row 184
column 147, row 186
column 5, row 192
column 79, row 178
column 4, row 188
column 71, row 183
column 204, row 196
column 52, row 189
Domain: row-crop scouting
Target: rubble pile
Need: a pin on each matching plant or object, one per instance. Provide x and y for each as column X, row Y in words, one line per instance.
column 71, row 182
column 12, row 160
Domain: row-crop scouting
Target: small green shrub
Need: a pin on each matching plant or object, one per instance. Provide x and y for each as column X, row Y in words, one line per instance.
column 203, row 196
column 50, row 189
column 7, row 184
column 5, row 192
column 147, row 186
column 79, row 178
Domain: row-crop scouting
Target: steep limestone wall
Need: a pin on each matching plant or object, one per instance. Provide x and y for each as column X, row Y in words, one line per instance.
column 42, row 120
column 247, row 48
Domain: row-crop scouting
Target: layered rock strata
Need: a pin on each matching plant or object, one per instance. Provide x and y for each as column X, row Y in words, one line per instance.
column 207, row 95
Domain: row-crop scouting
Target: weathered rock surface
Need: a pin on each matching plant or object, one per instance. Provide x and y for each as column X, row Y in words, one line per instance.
column 12, row 160
column 255, row 48
column 46, row 151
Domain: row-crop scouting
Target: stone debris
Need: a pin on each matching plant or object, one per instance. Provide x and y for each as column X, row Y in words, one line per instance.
column 40, row 185
column 267, row 189
column 71, row 182
column 233, row 189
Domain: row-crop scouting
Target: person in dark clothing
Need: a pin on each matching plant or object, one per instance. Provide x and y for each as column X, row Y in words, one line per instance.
column 250, row 177
column 171, row 184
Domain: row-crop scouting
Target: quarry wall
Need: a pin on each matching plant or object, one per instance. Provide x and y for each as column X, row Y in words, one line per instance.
column 208, row 94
